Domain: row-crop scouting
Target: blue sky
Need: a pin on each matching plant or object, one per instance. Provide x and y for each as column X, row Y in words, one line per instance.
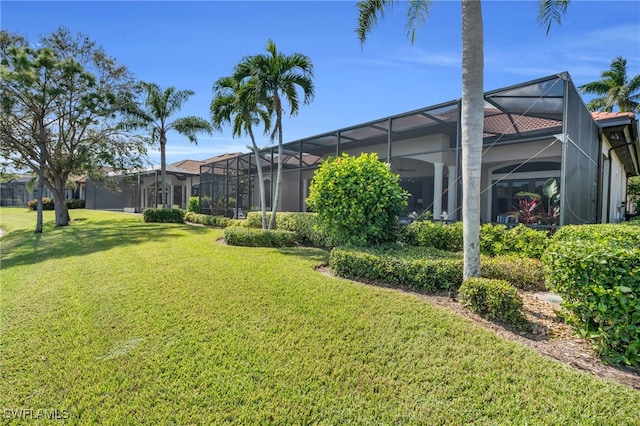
column 189, row 45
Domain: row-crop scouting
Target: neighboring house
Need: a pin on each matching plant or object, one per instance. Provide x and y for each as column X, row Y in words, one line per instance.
column 533, row 132
column 18, row 191
column 140, row 189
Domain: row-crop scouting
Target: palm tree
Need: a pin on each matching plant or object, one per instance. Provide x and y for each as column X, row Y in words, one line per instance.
column 615, row 88
column 472, row 110
column 155, row 115
column 234, row 102
column 276, row 79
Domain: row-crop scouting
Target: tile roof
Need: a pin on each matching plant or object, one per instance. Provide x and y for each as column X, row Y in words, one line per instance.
column 607, row 115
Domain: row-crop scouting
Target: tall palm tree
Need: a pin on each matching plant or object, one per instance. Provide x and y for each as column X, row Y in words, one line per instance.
column 277, row 78
column 234, row 102
column 472, row 110
column 615, row 89
column 155, row 115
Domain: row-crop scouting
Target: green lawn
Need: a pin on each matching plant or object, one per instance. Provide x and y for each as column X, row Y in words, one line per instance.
column 116, row 321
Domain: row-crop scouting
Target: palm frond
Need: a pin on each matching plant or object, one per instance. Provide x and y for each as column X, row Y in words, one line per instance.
column 550, row 12
column 369, row 11
column 190, row 126
column 417, row 14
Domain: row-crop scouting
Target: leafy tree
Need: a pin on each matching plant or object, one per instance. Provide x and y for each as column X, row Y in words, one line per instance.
column 59, row 103
column 276, row 80
column 357, row 199
column 615, row 89
column 235, row 102
column 155, row 115
column 633, row 191
column 472, row 112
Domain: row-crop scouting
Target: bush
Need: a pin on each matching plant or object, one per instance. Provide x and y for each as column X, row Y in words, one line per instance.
column 598, row 277
column 75, row 203
column 429, row 270
column 521, row 241
column 435, row 234
column 357, row 199
column 521, row 272
column 193, row 205
column 629, row 236
column 254, row 219
column 251, row 237
column 205, row 219
column 47, row 204
column 495, row 299
column 164, row 215
column 306, row 227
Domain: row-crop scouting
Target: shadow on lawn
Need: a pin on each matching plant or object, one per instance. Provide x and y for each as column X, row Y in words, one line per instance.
column 308, row 253
column 23, row 247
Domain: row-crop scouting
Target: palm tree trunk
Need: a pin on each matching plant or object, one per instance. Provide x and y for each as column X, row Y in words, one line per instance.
column 472, row 120
column 163, row 169
column 263, row 206
column 276, row 197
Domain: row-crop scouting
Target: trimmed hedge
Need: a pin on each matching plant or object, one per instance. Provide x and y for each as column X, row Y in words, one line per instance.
column 496, row 299
column 496, row 240
column 604, row 233
column 251, row 237
column 435, row 234
column 521, row 272
column 426, row 270
column 75, row 203
column 205, row 219
column 163, row 215
column 254, row 219
column 305, row 225
column 596, row 270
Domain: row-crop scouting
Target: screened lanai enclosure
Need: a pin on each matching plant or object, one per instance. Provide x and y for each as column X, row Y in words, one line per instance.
column 536, row 135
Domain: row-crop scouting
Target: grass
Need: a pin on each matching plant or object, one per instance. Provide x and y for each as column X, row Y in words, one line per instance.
column 117, row 321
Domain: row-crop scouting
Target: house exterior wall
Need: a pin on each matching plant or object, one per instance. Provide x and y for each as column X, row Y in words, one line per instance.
column 536, row 134
column 138, row 191
column 613, row 186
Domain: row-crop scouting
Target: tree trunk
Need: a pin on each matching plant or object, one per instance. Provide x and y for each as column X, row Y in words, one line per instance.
column 276, row 197
column 39, row 215
column 163, row 169
column 263, row 206
column 472, row 120
column 60, row 201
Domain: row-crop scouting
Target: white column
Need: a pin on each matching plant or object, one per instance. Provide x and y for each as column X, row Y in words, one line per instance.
column 437, row 190
column 452, row 192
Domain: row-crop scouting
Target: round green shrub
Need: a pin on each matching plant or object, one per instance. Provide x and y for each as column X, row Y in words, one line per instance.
column 357, row 199
column 193, row 205
column 496, row 299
